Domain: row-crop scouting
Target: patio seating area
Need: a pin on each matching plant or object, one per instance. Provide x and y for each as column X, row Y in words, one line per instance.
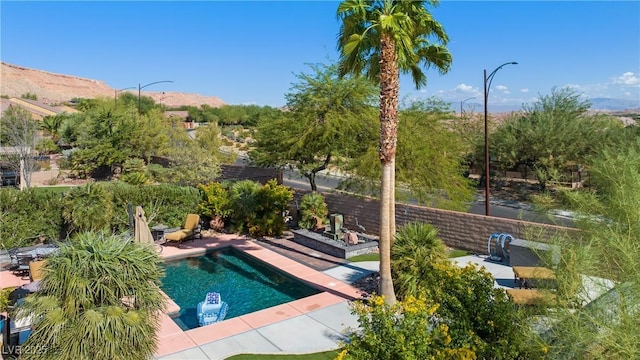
column 23, row 262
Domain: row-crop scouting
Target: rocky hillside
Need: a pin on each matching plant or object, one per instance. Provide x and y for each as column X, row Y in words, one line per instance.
column 56, row 88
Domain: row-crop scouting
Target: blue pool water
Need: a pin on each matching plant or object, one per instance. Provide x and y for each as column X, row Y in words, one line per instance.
column 246, row 284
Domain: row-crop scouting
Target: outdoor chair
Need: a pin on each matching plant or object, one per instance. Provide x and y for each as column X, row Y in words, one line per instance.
column 35, row 269
column 190, row 230
column 22, row 268
column 13, row 259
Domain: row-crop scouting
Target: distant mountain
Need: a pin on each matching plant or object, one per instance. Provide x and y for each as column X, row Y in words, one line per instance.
column 614, row 104
column 597, row 104
column 57, row 88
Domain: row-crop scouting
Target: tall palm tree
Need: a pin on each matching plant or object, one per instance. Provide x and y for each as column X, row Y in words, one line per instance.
column 380, row 38
column 99, row 298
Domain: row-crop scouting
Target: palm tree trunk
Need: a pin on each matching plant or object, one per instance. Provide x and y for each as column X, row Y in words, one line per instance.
column 392, row 207
column 389, row 89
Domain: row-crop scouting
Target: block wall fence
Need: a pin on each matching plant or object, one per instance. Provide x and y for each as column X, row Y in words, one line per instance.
column 456, row 229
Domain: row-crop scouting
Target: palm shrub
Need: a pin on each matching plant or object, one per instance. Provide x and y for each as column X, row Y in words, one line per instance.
column 99, row 299
column 415, row 249
column 88, row 207
column 313, row 210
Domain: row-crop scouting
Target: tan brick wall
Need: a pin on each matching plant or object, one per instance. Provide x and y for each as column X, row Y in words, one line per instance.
column 457, row 229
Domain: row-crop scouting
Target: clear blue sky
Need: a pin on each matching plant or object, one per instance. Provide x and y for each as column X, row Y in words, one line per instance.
column 249, row 52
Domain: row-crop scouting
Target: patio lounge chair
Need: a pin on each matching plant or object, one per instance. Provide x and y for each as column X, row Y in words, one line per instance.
column 190, row 230
column 35, row 269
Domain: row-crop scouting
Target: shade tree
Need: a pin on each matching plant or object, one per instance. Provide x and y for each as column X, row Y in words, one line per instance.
column 328, row 119
column 551, row 134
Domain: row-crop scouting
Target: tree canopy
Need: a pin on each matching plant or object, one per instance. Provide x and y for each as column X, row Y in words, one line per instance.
column 550, row 135
column 328, row 119
column 430, row 163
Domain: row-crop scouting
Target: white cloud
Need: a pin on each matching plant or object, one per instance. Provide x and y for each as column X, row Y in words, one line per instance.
column 627, row 79
column 525, row 90
column 465, row 89
column 501, row 88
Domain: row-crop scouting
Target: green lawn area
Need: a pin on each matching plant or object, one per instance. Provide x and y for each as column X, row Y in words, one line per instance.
column 365, row 257
column 458, row 253
column 327, row 355
column 376, row 257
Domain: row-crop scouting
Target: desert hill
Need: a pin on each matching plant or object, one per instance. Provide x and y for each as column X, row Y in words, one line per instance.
column 56, row 88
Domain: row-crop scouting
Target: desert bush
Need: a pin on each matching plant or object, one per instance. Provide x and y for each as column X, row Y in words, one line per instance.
column 410, row 329
column 313, row 209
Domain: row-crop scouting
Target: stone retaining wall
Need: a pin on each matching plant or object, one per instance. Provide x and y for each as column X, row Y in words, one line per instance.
column 457, row 229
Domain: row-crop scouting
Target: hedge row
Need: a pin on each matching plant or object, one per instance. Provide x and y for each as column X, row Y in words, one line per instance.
column 30, row 216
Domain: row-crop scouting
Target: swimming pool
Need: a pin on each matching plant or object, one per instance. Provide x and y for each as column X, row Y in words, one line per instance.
column 246, row 284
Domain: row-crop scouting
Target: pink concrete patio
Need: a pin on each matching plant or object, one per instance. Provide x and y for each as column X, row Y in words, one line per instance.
column 173, row 339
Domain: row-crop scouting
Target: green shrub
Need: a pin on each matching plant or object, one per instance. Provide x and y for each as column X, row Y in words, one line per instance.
column 88, row 208
column 158, row 173
column 410, row 329
column 215, row 200
column 272, row 201
column 479, row 316
column 65, row 164
column 135, row 178
column 133, row 165
column 47, row 146
column 163, row 204
column 27, row 215
column 312, row 209
column 243, row 195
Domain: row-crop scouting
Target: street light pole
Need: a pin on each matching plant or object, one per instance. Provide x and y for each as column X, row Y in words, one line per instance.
column 142, row 87
column 486, row 134
column 115, row 95
column 462, row 103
